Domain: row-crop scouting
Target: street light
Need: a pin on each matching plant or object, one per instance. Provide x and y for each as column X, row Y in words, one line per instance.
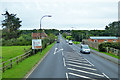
column 42, row 18
column 40, row 25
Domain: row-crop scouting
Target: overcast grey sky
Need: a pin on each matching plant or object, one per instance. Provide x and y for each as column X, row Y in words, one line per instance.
column 79, row 14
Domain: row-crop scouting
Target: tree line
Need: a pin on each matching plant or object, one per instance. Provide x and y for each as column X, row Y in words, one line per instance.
column 112, row 29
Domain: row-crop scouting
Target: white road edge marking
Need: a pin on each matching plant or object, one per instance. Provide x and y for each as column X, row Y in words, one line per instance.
column 64, row 61
column 67, row 76
column 106, row 76
column 80, row 76
column 85, row 72
column 89, row 62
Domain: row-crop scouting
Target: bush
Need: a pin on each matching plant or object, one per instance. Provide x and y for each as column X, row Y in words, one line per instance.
column 102, row 46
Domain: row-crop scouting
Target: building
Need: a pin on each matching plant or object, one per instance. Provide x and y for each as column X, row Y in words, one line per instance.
column 101, row 39
column 38, row 35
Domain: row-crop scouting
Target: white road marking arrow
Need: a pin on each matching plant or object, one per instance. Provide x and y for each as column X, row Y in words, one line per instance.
column 55, row 50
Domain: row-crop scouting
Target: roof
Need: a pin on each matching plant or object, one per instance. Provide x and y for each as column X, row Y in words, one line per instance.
column 35, row 35
column 104, row 37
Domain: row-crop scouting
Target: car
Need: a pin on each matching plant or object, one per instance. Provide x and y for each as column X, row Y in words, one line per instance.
column 85, row 49
column 58, row 41
column 67, row 41
column 70, row 42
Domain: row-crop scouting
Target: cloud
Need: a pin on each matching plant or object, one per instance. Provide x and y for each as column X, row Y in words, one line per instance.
column 87, row 13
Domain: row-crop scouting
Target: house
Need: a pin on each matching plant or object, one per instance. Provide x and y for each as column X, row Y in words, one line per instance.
column 38, row 35
column 101, row 39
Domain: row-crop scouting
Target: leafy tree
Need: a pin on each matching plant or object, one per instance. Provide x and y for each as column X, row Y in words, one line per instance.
column 10, row 26
column 113, row 29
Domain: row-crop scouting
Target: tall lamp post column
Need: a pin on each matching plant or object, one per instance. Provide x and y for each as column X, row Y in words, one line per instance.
column 40, row 26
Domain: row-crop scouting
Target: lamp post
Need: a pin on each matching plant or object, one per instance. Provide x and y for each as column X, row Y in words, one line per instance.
column 40, row 25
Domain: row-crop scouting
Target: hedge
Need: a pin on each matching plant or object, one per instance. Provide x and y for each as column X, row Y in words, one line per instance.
column 102, row 46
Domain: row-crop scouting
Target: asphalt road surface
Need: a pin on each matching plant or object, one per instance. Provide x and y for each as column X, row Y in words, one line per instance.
column 65, row 61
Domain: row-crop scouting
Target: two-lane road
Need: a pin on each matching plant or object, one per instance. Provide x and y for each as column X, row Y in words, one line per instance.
column 65, row 62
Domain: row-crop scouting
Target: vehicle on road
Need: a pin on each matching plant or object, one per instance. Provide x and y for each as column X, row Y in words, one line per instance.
column 85, row 49
column 67, row 40
column 70, row 42
column 58, row 41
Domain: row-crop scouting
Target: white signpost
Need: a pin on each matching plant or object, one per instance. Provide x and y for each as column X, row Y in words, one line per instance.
column 36, row 44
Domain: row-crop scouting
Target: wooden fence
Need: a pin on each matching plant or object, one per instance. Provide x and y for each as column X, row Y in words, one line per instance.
column 10, row 63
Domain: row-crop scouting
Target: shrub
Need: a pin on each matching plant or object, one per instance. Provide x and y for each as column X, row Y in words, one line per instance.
column 102, row 46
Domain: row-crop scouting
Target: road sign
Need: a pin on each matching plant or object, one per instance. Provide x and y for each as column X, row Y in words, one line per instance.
column 36, row 44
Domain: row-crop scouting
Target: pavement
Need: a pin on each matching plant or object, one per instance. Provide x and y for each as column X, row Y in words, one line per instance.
column 65, row 62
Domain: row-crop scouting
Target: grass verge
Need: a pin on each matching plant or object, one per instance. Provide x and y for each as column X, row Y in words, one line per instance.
column 9, row 52
column 20, row 70
column 112, row 55
column 76, row 42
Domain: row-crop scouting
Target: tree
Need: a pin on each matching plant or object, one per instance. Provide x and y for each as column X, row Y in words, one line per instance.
column 10, row 26
column 113, row 29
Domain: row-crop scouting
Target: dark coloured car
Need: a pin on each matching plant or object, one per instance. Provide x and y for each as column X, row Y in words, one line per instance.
column 58, row 41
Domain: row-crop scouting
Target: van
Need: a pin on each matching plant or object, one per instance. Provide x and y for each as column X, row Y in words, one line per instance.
column 85, row 49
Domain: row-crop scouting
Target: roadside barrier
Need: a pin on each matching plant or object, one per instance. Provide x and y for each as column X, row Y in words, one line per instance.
column 11, row 62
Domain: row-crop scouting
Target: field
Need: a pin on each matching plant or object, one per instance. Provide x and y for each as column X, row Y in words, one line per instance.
column 20, row 70
column 9, row 52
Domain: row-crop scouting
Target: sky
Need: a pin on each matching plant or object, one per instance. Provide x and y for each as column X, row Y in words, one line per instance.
column 66, row 14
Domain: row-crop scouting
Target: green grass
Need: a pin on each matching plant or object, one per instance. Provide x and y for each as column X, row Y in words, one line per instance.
column 9, row 52
column 76, row 42
column 64, row 37
column 20, row 70
column 68, row 37
column 106, row 53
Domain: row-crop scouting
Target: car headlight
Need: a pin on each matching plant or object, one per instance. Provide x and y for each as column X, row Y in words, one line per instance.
column 83, row 49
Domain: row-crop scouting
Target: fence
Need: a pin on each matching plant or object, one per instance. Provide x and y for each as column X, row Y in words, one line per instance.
column 113, row 51
column 91, row 44
column 9, row 64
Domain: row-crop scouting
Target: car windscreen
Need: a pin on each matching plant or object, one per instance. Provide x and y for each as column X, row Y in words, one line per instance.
column 85, row 47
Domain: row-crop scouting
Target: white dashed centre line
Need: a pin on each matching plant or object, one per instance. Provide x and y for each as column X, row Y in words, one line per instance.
column 67, row 76
column 64, row 61
column 62, row 54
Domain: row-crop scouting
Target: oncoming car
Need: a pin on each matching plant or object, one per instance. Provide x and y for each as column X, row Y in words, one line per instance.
column 85, row 49
column 70, row 42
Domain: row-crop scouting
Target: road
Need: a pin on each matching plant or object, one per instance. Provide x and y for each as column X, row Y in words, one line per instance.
column 64, row 61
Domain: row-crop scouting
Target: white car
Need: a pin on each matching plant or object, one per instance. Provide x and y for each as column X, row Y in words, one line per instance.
column 70, row 42
column 66, row 40
column 85, row 49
